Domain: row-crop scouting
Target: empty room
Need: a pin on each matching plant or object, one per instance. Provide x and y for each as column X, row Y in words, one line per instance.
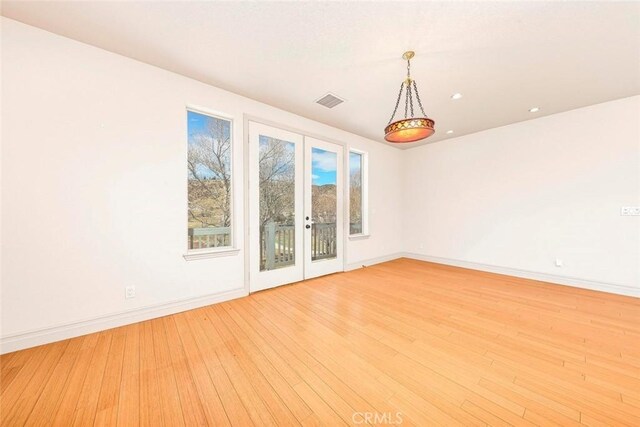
column 254, row 213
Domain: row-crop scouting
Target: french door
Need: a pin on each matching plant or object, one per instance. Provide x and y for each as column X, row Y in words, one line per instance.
column 323, row 210
column 295, row 207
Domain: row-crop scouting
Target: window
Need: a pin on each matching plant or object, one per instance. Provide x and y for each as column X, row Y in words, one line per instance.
column 357, row 193
column 209, row 181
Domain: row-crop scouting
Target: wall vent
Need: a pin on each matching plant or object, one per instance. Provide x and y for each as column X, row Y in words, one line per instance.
column 329, row 100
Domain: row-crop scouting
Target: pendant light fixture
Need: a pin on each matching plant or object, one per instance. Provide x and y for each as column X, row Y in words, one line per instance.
column 411, row 128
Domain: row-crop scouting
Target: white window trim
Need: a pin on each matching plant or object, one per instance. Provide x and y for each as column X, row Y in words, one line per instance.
column 365, row 193
column 196, row 254
column 231, row 250
column 359, row 236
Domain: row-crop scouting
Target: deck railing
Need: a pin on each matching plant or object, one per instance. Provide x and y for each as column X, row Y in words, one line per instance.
column 323, row 241
column 209, row 237
column 355, row 228
column 277, row 244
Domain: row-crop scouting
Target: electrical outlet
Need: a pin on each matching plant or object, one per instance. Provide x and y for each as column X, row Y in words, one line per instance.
column 559, row 262
column 130, row 292
column 630, row 211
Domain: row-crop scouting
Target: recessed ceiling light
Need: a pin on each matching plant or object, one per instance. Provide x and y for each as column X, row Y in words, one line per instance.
column 449, row 132
column 456, row 96
column 534, row 109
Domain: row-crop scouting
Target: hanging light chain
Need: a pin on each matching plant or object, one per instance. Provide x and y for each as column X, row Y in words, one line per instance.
column 410, row 96
column 415, row 88
column 406, row 99
column 410, row 87
column 397, row 103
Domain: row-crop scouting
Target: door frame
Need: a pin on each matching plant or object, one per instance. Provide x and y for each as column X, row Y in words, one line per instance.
column 246, row 195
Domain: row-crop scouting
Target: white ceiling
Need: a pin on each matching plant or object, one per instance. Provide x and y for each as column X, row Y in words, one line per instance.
column 504, row 57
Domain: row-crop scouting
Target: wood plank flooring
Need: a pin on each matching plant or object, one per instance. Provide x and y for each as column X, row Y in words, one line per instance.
column 401, row 342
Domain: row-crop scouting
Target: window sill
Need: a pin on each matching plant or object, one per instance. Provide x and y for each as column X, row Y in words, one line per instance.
column 359, row 236
column 210, row 253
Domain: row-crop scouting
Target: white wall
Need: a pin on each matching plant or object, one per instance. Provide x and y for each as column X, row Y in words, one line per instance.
column 520, row 196
column 94, row 192
column 94, row 187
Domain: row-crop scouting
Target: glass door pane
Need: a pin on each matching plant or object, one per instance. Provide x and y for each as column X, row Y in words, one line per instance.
column 324, row 207
column 277, row 203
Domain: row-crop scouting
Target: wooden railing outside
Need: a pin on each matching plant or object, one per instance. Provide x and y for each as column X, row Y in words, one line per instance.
column 277, row 244
column 323, row 241
column 355, row 228
column 209, row 237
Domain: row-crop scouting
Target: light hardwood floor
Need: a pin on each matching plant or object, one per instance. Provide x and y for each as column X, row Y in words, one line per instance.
column 406, row 341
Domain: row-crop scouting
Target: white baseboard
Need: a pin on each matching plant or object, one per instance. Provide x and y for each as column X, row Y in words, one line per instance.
column 543, row 277
column 372, row 261
column 33, row 338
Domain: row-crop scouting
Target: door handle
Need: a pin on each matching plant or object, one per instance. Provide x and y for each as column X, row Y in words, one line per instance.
column 307, row 226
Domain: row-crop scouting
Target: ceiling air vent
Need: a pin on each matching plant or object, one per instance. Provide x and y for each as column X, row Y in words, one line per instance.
column 330, row 100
